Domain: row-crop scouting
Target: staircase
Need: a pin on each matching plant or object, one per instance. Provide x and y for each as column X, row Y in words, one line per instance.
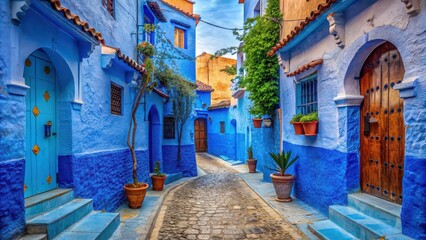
column 58, row 215
column 366, row 217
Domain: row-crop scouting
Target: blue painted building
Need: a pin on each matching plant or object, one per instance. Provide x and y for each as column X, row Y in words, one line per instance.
column 66, row 92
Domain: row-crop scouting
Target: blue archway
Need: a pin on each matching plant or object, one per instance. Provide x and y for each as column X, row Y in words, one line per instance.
column 155, row 129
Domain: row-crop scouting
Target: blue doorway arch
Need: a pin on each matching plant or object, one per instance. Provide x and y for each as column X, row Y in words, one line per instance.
column 155, row 130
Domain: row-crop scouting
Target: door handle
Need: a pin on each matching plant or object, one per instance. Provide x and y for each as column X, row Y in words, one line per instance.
column 367, row 125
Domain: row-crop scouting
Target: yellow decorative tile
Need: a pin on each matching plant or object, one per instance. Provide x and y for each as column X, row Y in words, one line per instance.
column 36, row 149
column 46, row 96
column 36, row 111
column 49, row 179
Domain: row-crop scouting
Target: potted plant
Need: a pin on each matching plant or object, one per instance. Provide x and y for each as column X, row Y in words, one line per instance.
column 310, row 124
column 257, row 122
column 136, row 191
column 158, row 178
column 297, row 125
column 282, row 182
column 251, row 162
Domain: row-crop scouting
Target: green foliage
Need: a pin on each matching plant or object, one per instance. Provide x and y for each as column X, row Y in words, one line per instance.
column 157, row 168
column 146, row 49
column 282, row 161
column 250, row 152
column 296, row 118
column 230, row 70
column 262, row 72
column 311, row 117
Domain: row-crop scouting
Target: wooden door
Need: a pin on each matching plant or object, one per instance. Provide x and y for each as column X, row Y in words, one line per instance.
column 200, row 135
column 40, row 156
column 382, row 124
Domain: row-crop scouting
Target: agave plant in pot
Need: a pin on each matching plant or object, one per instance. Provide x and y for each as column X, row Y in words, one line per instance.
column 297, row 125
column 251, row 162
column 158, row 178
column 136, row 191
column 282, row 182
column 310, row 124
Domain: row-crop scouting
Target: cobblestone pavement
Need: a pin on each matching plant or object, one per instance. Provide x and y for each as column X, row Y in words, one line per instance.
column 218, row 205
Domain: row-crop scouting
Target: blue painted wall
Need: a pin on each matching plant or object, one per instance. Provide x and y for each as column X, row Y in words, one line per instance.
column 221, row 143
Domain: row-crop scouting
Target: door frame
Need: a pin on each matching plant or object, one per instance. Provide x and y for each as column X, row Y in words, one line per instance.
column 205, row 129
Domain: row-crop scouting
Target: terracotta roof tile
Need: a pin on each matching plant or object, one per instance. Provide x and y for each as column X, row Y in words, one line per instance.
column 161, row 93
column 305, row 67
column 202, row 87
column 221, row 104
column 157, row 11
column 314, row 14
column 56, row 5
column 132, row 63
column 188, row 14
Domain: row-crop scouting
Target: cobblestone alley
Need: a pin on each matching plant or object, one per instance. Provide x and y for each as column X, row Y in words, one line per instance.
column 218, row 205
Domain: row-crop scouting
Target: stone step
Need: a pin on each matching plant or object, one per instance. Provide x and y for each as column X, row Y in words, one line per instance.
column 47, row 201
column 57, row 220
column 172, row 177
column 95, row 226
column 377, row 208
column 359, row 224
column 327, row 230
column 34, row 237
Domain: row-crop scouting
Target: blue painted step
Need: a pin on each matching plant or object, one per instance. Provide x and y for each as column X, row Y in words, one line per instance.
column 327, row 230
column 359, row 224
column 47, row 201
column 95, row 226
column 377, row 208
column 34, row 237
column 57, row 220
column 172, row 177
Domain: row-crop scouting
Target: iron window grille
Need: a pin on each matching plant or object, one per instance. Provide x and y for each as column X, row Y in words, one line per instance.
column 116, row 95
column 307, row 95
column 222, row 127
column 109, row 5
column 169, row 128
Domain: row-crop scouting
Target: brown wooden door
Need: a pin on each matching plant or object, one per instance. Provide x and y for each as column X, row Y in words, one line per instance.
column 200, row 135
column 382, row 147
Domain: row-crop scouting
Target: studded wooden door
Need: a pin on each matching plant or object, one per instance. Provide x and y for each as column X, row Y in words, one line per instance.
column 40, row 156
column 382, row 124
column 200, row 135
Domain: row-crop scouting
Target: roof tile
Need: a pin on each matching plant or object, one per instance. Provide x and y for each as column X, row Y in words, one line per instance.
column 202, row 87
column 221, row 104
column 305, row 67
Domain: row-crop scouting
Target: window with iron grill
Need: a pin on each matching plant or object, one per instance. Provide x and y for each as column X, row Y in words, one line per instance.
column 116, row 99
column 169, row 128
column 222, row 127
column 109, row 4
column 307, row 95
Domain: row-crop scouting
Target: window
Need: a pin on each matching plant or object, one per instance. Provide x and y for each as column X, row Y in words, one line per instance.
column 109, row 4
column 179, row 38
column 307, row 95
column 169, row 128
column 116, row 99
column 222, row 127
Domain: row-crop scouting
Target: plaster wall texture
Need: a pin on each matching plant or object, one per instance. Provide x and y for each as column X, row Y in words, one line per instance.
column 187, row 165
column 221, row 143
column 249, row 6
column 209, row 72
column 367, row 25
column 186, row 5
column 203, row 98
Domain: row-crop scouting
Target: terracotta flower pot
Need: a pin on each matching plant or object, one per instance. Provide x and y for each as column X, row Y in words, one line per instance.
column 257, row 122
column 283, row 186
column 158, row 182
column 310, row 128
column 252, row 165
column 135, row 195
column 298, row 128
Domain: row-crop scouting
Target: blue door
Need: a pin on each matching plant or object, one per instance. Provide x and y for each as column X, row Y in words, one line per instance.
column 40, row 156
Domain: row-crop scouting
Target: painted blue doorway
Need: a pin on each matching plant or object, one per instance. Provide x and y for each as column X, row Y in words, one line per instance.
column 155, row 130
column 41, row 153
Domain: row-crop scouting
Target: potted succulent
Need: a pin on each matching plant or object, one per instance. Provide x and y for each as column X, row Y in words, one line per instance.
column 282, row 182
column 136, row 191
column 158, row 178
column 297, row 125
column 310, row 124
column 251, row 162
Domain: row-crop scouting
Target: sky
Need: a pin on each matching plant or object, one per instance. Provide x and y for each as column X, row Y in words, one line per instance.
column 226, row 13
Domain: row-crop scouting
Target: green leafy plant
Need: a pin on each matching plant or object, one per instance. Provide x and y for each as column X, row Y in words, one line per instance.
column 157, row 170
column 146, row 49
column 282, row 161
column 311, row 117
column 250, row 152
column 296, row 118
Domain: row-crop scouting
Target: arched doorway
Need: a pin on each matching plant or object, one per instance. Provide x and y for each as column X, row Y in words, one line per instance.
column 200, row 130
column 154, row 138
column 382, row 124
column 41, row 143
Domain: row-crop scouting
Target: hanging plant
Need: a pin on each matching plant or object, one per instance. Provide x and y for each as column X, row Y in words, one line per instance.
column 146, row 49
